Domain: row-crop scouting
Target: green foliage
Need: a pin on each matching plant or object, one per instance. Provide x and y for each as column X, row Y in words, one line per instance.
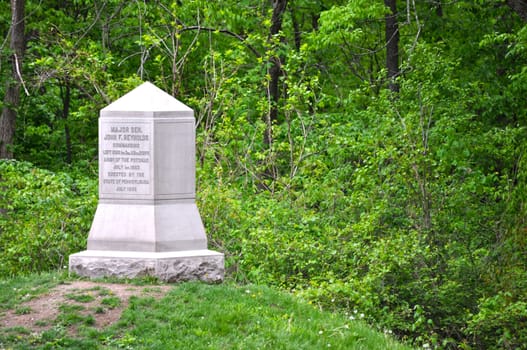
column 375, row 213
column 408, row 208
column 500, row 323
column 45, row 217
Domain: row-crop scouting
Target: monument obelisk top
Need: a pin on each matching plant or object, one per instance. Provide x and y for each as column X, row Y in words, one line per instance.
column 147, row 98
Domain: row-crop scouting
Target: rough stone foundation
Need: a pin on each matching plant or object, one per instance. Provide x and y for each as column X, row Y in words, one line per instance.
column 203, row 265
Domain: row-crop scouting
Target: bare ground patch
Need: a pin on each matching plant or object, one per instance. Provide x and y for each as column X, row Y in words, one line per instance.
column 103, row 301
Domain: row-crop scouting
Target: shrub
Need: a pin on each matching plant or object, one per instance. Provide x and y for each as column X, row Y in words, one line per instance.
column 501, row 323
column 44, row 217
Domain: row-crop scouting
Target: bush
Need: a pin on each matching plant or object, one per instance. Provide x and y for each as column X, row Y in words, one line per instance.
column 501, row 323
column 44, row 217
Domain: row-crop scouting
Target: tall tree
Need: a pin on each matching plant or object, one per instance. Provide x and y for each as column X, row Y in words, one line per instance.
column 392, row 44
column 275, row 69
column 12, row 94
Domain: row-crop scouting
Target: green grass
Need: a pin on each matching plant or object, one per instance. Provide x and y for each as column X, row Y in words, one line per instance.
column 111, row 302
column 81, row 298
column 19, row 289
column 22, row 310
column 200, row 316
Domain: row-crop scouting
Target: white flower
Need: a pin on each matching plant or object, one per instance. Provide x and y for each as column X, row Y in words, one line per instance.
column 320, row 332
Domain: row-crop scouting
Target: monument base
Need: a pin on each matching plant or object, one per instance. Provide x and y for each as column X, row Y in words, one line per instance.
column 204, row 265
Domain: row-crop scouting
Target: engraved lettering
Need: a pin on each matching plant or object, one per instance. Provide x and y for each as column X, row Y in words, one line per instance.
column 126, row 159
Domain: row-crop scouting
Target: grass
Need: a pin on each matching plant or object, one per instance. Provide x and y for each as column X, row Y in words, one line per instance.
column 81, row 298
column 198, row 316
column 111, row 302
column 17, row 290
column 195, row 316
column 22, row 310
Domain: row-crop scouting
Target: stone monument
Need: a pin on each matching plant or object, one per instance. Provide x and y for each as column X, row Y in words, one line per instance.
column 147, row 222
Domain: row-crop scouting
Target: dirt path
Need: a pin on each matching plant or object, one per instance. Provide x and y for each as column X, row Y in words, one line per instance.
column 103, row 301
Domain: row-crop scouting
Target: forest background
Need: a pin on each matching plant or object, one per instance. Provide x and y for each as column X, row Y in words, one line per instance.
column 368, row 156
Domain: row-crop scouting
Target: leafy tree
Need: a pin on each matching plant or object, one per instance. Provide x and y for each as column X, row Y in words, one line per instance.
column 17, row 45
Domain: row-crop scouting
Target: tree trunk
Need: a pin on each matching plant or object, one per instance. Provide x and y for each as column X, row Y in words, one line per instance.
column 520, row 7
column 12, row 92
column 439, row 9
column 296, row 27
column 392, row 45
column 275, row 70
column 65, row 92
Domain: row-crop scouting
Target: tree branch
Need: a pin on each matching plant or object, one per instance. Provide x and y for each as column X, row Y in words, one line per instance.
column 223, row 31
column 19, row 74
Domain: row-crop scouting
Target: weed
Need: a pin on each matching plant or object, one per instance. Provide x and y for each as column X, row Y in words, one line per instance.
column 42, row 323
column 89, row 320
column 22, row 310
column 111, row 302
column 151, row 290
column 69, row 308
column 81, row 298
column 104, row 292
